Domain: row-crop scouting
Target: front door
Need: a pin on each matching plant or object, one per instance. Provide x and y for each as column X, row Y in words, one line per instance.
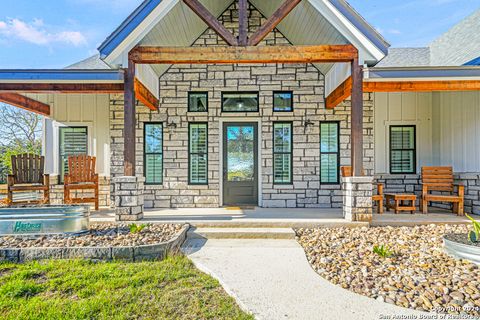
column 240, row 164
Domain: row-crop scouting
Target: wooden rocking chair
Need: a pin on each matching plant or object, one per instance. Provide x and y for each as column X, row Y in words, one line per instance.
column 28, row 175
column 347, row 172
column 81, row 176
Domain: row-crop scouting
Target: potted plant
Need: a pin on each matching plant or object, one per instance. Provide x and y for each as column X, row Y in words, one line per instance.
column 465, row 246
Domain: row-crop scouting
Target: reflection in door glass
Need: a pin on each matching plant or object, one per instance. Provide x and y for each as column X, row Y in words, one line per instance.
column 240, row 153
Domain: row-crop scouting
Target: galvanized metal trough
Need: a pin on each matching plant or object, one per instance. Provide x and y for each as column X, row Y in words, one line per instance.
column 26, row 221
column 461, row 250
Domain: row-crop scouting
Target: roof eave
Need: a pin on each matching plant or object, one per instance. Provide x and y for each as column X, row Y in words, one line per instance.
column 422, row 73
column 61, row 75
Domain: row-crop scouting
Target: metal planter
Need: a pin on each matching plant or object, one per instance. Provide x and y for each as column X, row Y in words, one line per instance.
column 26, row 221
column 462, row 251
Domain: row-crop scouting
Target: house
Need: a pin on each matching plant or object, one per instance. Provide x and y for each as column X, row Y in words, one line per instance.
column 223, row 103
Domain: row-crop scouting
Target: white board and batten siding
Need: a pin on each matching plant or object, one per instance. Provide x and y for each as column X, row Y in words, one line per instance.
column 447, row 128
column 84, row 110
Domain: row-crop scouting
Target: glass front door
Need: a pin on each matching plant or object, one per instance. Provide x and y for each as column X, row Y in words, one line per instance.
column 240, row 164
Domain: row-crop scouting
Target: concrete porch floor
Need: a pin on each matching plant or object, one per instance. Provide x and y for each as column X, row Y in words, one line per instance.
column 280, row 217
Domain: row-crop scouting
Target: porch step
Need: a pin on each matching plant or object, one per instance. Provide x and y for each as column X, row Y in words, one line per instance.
column 241, row 233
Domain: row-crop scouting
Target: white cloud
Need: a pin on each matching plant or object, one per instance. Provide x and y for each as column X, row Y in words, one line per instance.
column 37, row 33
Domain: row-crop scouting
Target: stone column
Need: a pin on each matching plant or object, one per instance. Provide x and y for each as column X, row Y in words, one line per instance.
column 357, row 198
column 128, row 194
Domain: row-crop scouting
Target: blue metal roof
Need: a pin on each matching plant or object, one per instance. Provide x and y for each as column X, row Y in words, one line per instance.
column 127, row 26
column 474, row 62
column 423, row 72
column 61, row 74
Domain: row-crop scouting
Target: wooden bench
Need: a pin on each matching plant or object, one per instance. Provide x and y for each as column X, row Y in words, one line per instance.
column 347, row 172
column 81, row 176
column 28, row 175
column 397, row 202
column 441, row 179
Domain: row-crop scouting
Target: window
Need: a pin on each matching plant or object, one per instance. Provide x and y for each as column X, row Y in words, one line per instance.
column 198, row 153
column 153, row 153
column 282, row 153
column 198, row 101
column 283, row 101
column 240, row 102
column 329, row 152
column 73, row 141
column 402, row 149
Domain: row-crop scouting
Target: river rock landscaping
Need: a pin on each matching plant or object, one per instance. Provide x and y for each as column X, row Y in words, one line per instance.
column 415, row 272
column 100, row 235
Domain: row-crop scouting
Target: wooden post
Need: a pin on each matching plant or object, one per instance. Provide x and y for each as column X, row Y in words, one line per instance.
column 129, row 120
column 242, row 22
column 357, row 119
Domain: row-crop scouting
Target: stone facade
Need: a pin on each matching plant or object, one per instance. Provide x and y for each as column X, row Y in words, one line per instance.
column 357, row 198
column 411, row 183
column 307, row 84
column 56, row 191
column 128, row 193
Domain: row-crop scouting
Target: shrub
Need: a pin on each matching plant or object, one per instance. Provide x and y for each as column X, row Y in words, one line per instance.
column 135, row 228
column 474, row 235
column 382, row 251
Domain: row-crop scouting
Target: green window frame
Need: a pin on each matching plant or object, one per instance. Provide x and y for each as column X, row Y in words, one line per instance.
column 403, row 149
column 72, row 141
column 153, row 153
column 198, row 101
column 330, row 152
column 198, row 153
column 283, row 101
column 282, row 152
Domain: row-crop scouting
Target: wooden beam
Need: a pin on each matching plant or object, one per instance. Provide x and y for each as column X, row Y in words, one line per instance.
column 145, row 96
column 129, row 121
column 26, row 103
column 338, row 95
column 62, row 87
column 357, row 119
column 242, row 22
column 421, row 86
column 231, row 55
column 211, row 21
column 273, row 21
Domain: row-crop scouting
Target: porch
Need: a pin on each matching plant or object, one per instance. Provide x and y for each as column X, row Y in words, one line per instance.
column 281, row 217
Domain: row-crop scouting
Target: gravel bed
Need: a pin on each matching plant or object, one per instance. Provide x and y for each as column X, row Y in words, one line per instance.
column 419, row 275
column 99, row 235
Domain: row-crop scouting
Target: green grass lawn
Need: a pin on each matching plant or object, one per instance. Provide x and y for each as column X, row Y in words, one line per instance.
column 77, row 289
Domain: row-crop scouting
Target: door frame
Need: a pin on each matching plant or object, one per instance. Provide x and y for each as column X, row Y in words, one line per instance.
column 257, row 120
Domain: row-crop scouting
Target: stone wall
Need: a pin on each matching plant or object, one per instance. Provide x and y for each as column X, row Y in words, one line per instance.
column 307, row 84
column 56, row 191
column 411, row 183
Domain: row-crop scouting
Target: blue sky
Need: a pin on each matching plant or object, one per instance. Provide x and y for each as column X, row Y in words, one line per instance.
column 56, row 33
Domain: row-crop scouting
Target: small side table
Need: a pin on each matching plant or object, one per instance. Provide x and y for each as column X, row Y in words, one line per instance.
column 398, row 202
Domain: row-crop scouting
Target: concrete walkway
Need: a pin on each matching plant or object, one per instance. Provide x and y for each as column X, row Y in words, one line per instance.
column 272, row 280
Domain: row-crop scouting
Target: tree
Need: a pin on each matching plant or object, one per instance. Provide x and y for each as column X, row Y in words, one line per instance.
column 20, row 132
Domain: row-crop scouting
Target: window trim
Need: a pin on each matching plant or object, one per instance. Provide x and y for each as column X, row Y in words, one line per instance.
column 60, row 176
column 414, row 171
column 145, row 153
column 273, row 100
column 188, row 101
column 257, row 93
column 190, row 154
column 338, row 153
column 290, row 182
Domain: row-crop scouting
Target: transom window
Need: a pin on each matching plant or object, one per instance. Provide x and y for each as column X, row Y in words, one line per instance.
column 198, row 153
column 198, row 101
column 402, row 149
column 240, row 101
column 329, row 152
column 282, row 152
column 73, row 141
column 283, row 101
column 153, row 162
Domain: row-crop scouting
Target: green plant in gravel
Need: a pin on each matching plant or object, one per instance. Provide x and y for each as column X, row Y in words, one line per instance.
column 79, row 289
column 382, row 251
column 137, row 228
column 474, row 235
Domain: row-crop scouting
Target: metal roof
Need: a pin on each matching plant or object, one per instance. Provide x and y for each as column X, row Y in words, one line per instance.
column 451, row 73
column 62, row 75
